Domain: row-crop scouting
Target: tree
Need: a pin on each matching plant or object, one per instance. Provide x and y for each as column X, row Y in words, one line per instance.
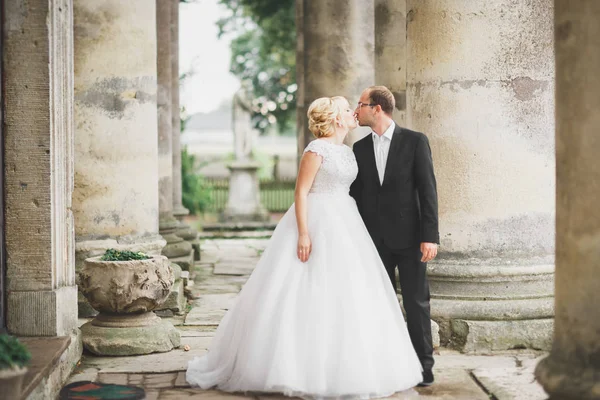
column 264, row 54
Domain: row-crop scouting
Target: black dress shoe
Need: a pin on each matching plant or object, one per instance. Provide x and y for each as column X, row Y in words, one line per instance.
column 427, row 378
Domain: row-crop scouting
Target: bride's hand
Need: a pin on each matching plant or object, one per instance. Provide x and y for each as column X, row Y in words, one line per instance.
column 304, row 247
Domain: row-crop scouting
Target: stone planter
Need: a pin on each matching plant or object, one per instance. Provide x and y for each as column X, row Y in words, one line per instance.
column 11, row 382
column 125, row 293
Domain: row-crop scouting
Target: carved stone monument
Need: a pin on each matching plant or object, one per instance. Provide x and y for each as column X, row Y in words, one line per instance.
column 243, row 204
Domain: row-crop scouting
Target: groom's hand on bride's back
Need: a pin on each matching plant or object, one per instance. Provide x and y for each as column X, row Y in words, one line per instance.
column 428, row 251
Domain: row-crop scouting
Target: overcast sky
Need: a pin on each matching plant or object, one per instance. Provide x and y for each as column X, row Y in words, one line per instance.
column 207, row 56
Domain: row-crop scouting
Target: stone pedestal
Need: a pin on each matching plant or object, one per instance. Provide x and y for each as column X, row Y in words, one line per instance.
column 333, row 59
column 126, row 293
column 243, row 204
column 480, row 86
column 572, row 371
column 109, row 335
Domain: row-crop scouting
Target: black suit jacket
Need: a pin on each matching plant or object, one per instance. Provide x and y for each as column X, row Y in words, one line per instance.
column 402, row 212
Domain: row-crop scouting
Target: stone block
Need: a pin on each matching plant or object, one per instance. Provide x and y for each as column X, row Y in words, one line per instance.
column 435, row 334
column 176, row 301
column 487, row 336
column 115, row 379
column 84, row 309
column 42, row 313
column 160, row 381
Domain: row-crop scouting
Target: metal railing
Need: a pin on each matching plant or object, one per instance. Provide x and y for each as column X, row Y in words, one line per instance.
column 275, row 195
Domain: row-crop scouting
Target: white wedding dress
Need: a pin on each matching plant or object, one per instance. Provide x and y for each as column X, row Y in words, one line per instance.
column 328, row 328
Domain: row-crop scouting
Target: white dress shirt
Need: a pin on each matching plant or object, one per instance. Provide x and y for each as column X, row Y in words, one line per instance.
column 381, row 146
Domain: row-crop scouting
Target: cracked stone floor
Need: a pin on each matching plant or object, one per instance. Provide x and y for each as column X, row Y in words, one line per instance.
column 224, row 267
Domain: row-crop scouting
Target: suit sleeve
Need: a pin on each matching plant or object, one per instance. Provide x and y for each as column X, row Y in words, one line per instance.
column 356, row 187
column 426, row 186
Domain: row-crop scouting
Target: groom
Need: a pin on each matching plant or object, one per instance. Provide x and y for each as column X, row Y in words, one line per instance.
column 396, row 195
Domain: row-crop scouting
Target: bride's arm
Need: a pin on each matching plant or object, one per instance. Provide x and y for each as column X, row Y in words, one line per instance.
column 309, row 165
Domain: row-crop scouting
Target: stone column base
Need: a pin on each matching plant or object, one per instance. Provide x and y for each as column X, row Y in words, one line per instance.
column 42, row 313
column 177, row 250
column 567, row 381
column 487, row 305
column 489, row 336
column 186, row 262
column 153, row 336
column 190, row 235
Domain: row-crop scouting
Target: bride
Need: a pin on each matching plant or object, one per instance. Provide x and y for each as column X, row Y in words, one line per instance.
column 318, row 318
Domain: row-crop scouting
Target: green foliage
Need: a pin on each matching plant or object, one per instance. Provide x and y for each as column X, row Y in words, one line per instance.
column 125, row 255
column 196, row 193
column 264, row 55
column 12, row 352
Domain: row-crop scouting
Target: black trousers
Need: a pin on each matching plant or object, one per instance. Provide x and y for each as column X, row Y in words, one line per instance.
column 415, row 296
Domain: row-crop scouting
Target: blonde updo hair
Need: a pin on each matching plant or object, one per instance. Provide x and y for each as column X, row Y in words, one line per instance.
column 321, row 115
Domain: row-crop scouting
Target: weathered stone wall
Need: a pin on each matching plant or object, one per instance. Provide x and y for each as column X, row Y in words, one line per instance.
column 481, row 86
column 116, row 172
column 38, row 84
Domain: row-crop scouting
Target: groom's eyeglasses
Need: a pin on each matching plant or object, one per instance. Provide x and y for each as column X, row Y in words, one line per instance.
column 361, row 105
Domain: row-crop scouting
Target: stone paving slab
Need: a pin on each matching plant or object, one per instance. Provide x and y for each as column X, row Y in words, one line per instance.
column 453, row 384
column 512, row 383
column 173, row 361
column 235, row 268
column 219, row 301
column 179, row 394
column 192, row 331
column 205, row 318
column 239, row 235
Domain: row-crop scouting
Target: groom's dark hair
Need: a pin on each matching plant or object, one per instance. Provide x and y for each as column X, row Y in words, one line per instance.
column 383, row 97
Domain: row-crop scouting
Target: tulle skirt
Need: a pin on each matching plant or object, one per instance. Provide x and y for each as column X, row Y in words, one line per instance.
column 328, row 328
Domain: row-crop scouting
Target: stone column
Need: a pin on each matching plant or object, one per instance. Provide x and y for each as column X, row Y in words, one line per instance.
column 390, row 52
column 573, row 367
column 115, row 201
column 177, row 249
column 38, row 135
column 337, row 55
column 184, row 231
column 480, row 86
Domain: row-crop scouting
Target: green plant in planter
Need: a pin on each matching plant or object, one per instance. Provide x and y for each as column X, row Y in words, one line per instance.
column 124, row 255
column 13, row 354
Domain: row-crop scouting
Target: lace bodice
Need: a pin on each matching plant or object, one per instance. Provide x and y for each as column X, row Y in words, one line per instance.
column 338, row 170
